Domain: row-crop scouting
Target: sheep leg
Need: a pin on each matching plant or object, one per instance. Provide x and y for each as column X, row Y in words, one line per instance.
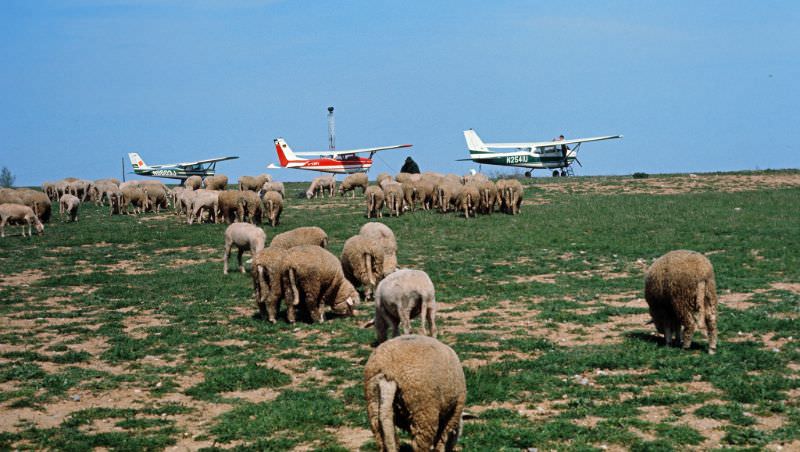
column 239, row 258
column 381, row 326
column 225, row 256
column 388, row 389
column 2, row 227
column 290, row 309
column 430, row 312
column 405, row 319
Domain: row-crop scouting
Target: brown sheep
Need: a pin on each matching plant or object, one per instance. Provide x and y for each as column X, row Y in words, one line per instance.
column 253, row 183
column 21, row 215
column 467, row 200
column 193, row 182
column 38, row 201
column 415, row 383
column 218, row 182
column 681, row 292
column 375, row 201
column 512, row 194
column 253, row 209
column 306, row 235
column 393, row 194
column 246, row 237
column 132, row 195
column 424, row 190
column 362, row 263
column 266, row 271
column 313, row 277
column 488, row 196
column 231, row 206
column 382, row 234
column 273, row 204
column 352, row 181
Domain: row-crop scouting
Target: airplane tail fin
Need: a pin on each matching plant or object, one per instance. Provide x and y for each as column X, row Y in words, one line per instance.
column 136, row 161
column 285, row 153
column 474, row 143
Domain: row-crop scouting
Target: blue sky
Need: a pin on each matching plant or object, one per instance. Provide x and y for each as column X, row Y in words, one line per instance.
column 693, row 86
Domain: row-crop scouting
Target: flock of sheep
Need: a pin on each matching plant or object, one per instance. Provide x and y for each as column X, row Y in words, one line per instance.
column 411, row 381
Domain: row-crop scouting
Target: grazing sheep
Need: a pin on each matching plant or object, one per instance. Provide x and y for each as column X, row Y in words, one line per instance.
column 306, row 235
column 375, row 200
column 204, row 201
column 68, row 203
column 407, row 177
column 253, row 209
column 362, row 263
column 114, row 197
column 273, row 203
column 382, row 177
column 38, row 201
column 352, row 181
column 49, row 188
column 246, row 237
column 274, row 186
column 10, row 196
column 409, row 196
column 218, row 182
column 266, row 271
column 501, row 189
column 402, row 296
column 322, row 183
column 253, row 183
column 393, row 194
column 467, row 200
column 231, row 206
column 473, row 178
column 512, row 194
column 415, row 383
column 681, row 292
column 314, row 277
column 447, row 194
column 424, row 190
column 157, row 198
column 193, row 182
column 21, row 215
column 132, row 195
column 382, row 234
column 488, row 197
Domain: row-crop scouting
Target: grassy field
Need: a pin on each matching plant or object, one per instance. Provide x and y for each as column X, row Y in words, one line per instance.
column 122, row 333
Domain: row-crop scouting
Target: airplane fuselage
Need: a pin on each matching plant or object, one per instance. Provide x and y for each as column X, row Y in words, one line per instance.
column 546, row 159
column 173, row 172
column 347, row 165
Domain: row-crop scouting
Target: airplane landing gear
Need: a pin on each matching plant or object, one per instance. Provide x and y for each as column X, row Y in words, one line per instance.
column 555, row 173
column 563, row 173
column 528, row 173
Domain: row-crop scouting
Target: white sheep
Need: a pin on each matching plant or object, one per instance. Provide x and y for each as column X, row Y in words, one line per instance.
column 402, row 296
column 246, row 237
column 19, row 214
column 69, row 204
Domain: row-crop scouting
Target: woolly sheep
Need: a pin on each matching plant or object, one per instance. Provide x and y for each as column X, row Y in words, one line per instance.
column 375, row 201
column 157, row 198
column 38, row 202
column 9, row 196
column 382, row 234
column 352, row 181
column 314, row 277
column 246, row 237
column 21, row 215
column 132, row 195
column 274, row 186
column 381, row 177
column 409, row 196
column 204, row 201
column 512, row 194
column 402, row 296
column 231, row 205
column 681, row 292
column 306, row 235
column 407, row 177
column 467, row 200
column 362, row 263
column 424, row 193
column 488, row 196
column 218, row 182
column 253, row 183
column 253, row 209
column 114, row 197
column 193, row 182
column 393, row 194
column 69, row 204
column 320, row 184
column 415, row 383
column 266, row 271
column 273, row 204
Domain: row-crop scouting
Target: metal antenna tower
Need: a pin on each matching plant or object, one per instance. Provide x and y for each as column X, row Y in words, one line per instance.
column 331, row 130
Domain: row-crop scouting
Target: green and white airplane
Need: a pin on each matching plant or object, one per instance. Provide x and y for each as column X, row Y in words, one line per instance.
column 202, row 168
column 555, row 155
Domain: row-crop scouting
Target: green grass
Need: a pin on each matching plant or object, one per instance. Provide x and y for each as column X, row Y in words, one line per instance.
column 139, row 306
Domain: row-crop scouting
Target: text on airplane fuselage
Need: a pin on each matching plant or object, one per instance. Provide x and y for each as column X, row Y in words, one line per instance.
column 517, row 159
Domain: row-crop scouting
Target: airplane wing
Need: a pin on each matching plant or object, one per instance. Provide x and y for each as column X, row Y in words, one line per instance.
column 540, row 144
column 216, row 159
column 355, row 151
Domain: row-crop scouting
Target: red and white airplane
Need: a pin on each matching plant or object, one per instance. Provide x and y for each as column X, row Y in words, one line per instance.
column 328, row 162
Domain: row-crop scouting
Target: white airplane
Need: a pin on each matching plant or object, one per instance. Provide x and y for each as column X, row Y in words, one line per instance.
column 202, row 168
column 553, row 155
column 328, row 162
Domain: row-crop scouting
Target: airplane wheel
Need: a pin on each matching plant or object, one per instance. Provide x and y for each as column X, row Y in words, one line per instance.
column 555, row 173
column 563, row 174
column 528, row 173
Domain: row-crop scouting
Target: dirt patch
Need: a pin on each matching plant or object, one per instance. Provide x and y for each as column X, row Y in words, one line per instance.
column 352, row 438
column 789, row 287
column 738, row 301
column 23, row 279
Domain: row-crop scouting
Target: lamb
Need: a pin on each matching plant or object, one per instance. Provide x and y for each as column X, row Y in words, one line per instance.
column 402, row 296
column 306, row 235
column 313, row 276
column 19, row 214
column 382, row 234
column 231, row 206
column 467, row 200
column 362, row 263
column 266, row 271
column 246, row 237
column 416, row 383
column 681, row 292
column 218, row 182
column 274, row 186
column 193, row 182
column 393, row 193
column 352, row 181
column 273, row 202
column 204, row 201
column 253, row 209
column 253, row 183
column 512, row 194
column 69, row 203
column 375, row 200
